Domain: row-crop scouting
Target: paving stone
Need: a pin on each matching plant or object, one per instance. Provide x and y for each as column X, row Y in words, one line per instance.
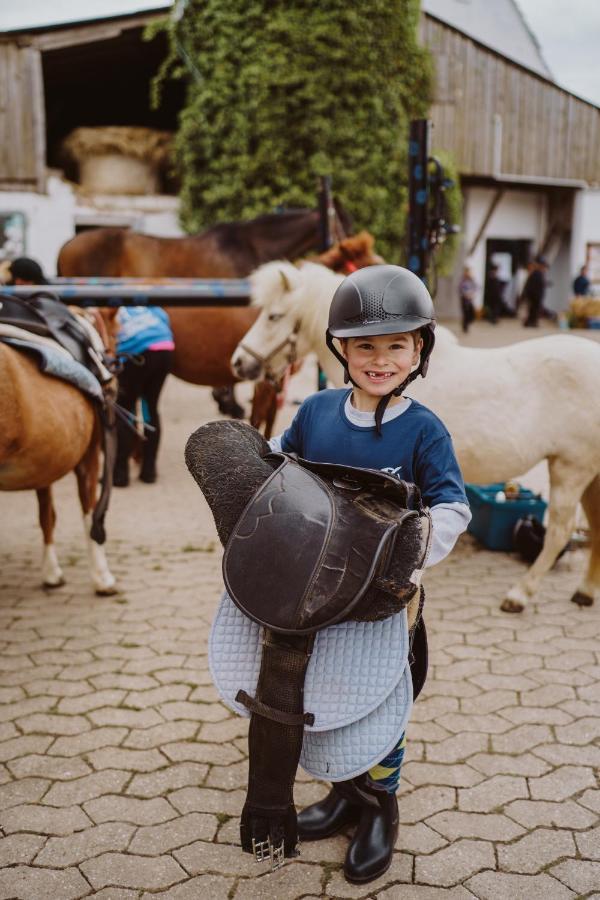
column 498, row 886
column 19, row 848
column 175, row 776
column 93, row 700
column 116, row 894
column 287, row 883
column 591, row 800
column 148, row 738
column 521, row 739
column 43, row 819
column 562, row 783
column 83, row 743
column 130, row 871
column 130, row 760
column 536, row 715
column 197, row 751
column 423, row 802
column 7, row 731
column 22, row 745
column 130, row 809
column 536, row 851
column 51, row 724
column 28, row 883
column 533, row 813
column 455, row 863
column 157, row 695
column 129, row 718
column 55, row 688
column 488, row 702
column 504, row 764
column 12, row 711
column 486, row 826
column 417, row 838
column 192, row 799
column 459, row 723
column 221, row 732
column 156, row 839
column 491, row 794
column 228, row 777
column 420, row 773
column 72, row 850
column 60, row 768
column 422, row 892
column 212, row 887
column 588, row 843
column 548, row 695
column 580, row 875
column 126, row 682
column 201, row 857
column 28, row 790
column 87, row 788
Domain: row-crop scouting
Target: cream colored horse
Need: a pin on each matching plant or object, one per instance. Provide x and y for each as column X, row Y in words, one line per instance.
column 47, row 429
column 506, row 408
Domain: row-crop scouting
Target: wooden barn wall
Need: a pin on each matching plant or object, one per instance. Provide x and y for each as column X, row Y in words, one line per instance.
column 546, row 132
column 22, row 124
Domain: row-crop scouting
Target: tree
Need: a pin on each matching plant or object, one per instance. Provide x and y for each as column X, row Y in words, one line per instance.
column 281, row 92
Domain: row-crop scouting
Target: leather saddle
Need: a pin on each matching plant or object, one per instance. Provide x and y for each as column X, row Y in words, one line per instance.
column 43, row 314
column 307, row 545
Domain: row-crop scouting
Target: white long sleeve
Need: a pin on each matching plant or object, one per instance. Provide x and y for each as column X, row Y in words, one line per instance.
column 449, row 520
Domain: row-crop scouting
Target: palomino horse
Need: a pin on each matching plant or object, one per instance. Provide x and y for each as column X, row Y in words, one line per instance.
column 506, row 408
column 47, row 429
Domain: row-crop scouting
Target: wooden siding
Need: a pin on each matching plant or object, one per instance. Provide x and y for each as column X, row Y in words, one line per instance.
column 22, row 121
column 546, row 132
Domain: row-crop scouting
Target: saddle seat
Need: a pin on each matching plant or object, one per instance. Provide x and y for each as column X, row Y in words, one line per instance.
column 44, row 315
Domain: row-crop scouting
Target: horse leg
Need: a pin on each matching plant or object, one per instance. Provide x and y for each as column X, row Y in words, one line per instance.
column 566, row 488
column 225, row 400
column 87, row 472
column 51, row 571
column 584, row 595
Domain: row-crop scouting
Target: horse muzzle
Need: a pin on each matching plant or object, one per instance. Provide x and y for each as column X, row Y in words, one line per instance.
column 245, row 366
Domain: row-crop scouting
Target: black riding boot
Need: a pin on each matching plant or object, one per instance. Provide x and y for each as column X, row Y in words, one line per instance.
column 327, row 817
column 371, row 851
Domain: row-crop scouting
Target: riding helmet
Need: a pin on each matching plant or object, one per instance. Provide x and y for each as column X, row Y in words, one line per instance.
column 382, row 300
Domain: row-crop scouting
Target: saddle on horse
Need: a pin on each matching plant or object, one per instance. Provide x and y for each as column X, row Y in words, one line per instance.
column 307, row 545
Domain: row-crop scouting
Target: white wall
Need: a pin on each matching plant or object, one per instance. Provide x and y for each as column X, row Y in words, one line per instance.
column 50, row 218
column 586, row 228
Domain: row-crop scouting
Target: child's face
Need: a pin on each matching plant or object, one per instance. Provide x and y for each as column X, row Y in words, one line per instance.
column 379, row 363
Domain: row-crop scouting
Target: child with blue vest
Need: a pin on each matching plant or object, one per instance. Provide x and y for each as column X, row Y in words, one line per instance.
column 145, row 342
column 383, row 318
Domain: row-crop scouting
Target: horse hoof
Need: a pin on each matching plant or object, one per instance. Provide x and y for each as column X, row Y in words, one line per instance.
column 582, row 599
column 109, row 591
column 51, row 585
column 511, row 606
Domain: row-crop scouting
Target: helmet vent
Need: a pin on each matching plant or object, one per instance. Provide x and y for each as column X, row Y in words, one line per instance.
column 372, row 309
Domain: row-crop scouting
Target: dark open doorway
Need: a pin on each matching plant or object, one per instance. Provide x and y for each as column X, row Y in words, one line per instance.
column 512, row 258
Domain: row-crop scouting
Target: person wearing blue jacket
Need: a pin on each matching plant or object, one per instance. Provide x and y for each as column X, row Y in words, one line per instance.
column 145, row 345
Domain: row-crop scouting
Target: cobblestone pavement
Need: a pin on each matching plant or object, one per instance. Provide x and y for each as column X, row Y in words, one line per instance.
column 122, row 776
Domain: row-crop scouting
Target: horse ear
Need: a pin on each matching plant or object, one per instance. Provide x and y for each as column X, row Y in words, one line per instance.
column 287, row 280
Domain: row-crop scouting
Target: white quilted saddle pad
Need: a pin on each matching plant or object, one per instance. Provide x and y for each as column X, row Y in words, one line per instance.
column 344, row 753
column 354, row 665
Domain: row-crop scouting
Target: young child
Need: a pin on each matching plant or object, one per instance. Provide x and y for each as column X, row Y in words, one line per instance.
column 383, row 318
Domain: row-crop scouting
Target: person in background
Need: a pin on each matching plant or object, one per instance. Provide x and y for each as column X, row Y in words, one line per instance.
column 24, row 270
column 493, row 297
column 534, row 291
column 581, row 284
column 467, row 290
column 145, row 343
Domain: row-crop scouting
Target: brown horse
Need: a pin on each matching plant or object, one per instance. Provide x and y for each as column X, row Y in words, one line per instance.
column 205, row 338
column 47, row 429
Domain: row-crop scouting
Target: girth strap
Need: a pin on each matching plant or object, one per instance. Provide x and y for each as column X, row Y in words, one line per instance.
column 269, row 826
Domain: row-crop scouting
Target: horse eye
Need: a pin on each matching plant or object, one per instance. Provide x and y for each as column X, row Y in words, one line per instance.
column 275, row 317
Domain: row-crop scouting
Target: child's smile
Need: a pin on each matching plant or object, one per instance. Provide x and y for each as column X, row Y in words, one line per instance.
column 378, row 364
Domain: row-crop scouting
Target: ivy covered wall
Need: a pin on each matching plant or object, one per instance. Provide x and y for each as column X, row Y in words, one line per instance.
column 281, row 92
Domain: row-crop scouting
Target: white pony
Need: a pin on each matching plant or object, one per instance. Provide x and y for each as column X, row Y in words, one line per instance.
column 506, row 408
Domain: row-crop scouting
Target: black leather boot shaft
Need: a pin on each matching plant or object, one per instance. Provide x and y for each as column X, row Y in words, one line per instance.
column 371, row 851
column 327, row 817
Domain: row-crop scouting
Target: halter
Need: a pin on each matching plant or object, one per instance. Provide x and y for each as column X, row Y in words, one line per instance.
column 291, row 339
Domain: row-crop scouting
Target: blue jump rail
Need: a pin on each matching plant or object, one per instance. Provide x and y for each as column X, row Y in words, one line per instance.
column 141, row 292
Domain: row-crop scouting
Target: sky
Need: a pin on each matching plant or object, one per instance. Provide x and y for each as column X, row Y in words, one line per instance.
column 568, row 31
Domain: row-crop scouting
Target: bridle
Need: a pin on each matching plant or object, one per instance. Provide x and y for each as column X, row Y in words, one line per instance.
column 291, row 340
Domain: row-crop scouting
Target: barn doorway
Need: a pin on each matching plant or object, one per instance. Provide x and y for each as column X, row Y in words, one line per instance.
column 512, row 258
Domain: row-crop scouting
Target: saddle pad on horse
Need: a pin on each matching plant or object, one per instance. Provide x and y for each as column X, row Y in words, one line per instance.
column 43, row 314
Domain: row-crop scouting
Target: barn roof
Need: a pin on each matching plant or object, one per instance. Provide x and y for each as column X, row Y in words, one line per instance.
column 499, row 25
column 62, row 13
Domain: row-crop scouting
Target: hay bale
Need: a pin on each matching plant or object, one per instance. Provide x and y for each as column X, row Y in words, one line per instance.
column 119, row 159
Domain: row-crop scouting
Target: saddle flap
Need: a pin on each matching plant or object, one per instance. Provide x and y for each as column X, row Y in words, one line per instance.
column 301, row 556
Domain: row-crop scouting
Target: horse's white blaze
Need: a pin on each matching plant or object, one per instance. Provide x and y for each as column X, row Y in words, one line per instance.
column 507, row 408
column 52, row 574
column 102, row 578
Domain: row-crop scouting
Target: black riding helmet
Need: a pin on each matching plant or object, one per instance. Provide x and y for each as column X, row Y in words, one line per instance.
column 382, row 300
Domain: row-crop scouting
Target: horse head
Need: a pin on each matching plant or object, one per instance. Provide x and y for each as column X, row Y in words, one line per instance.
column 272, row 342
